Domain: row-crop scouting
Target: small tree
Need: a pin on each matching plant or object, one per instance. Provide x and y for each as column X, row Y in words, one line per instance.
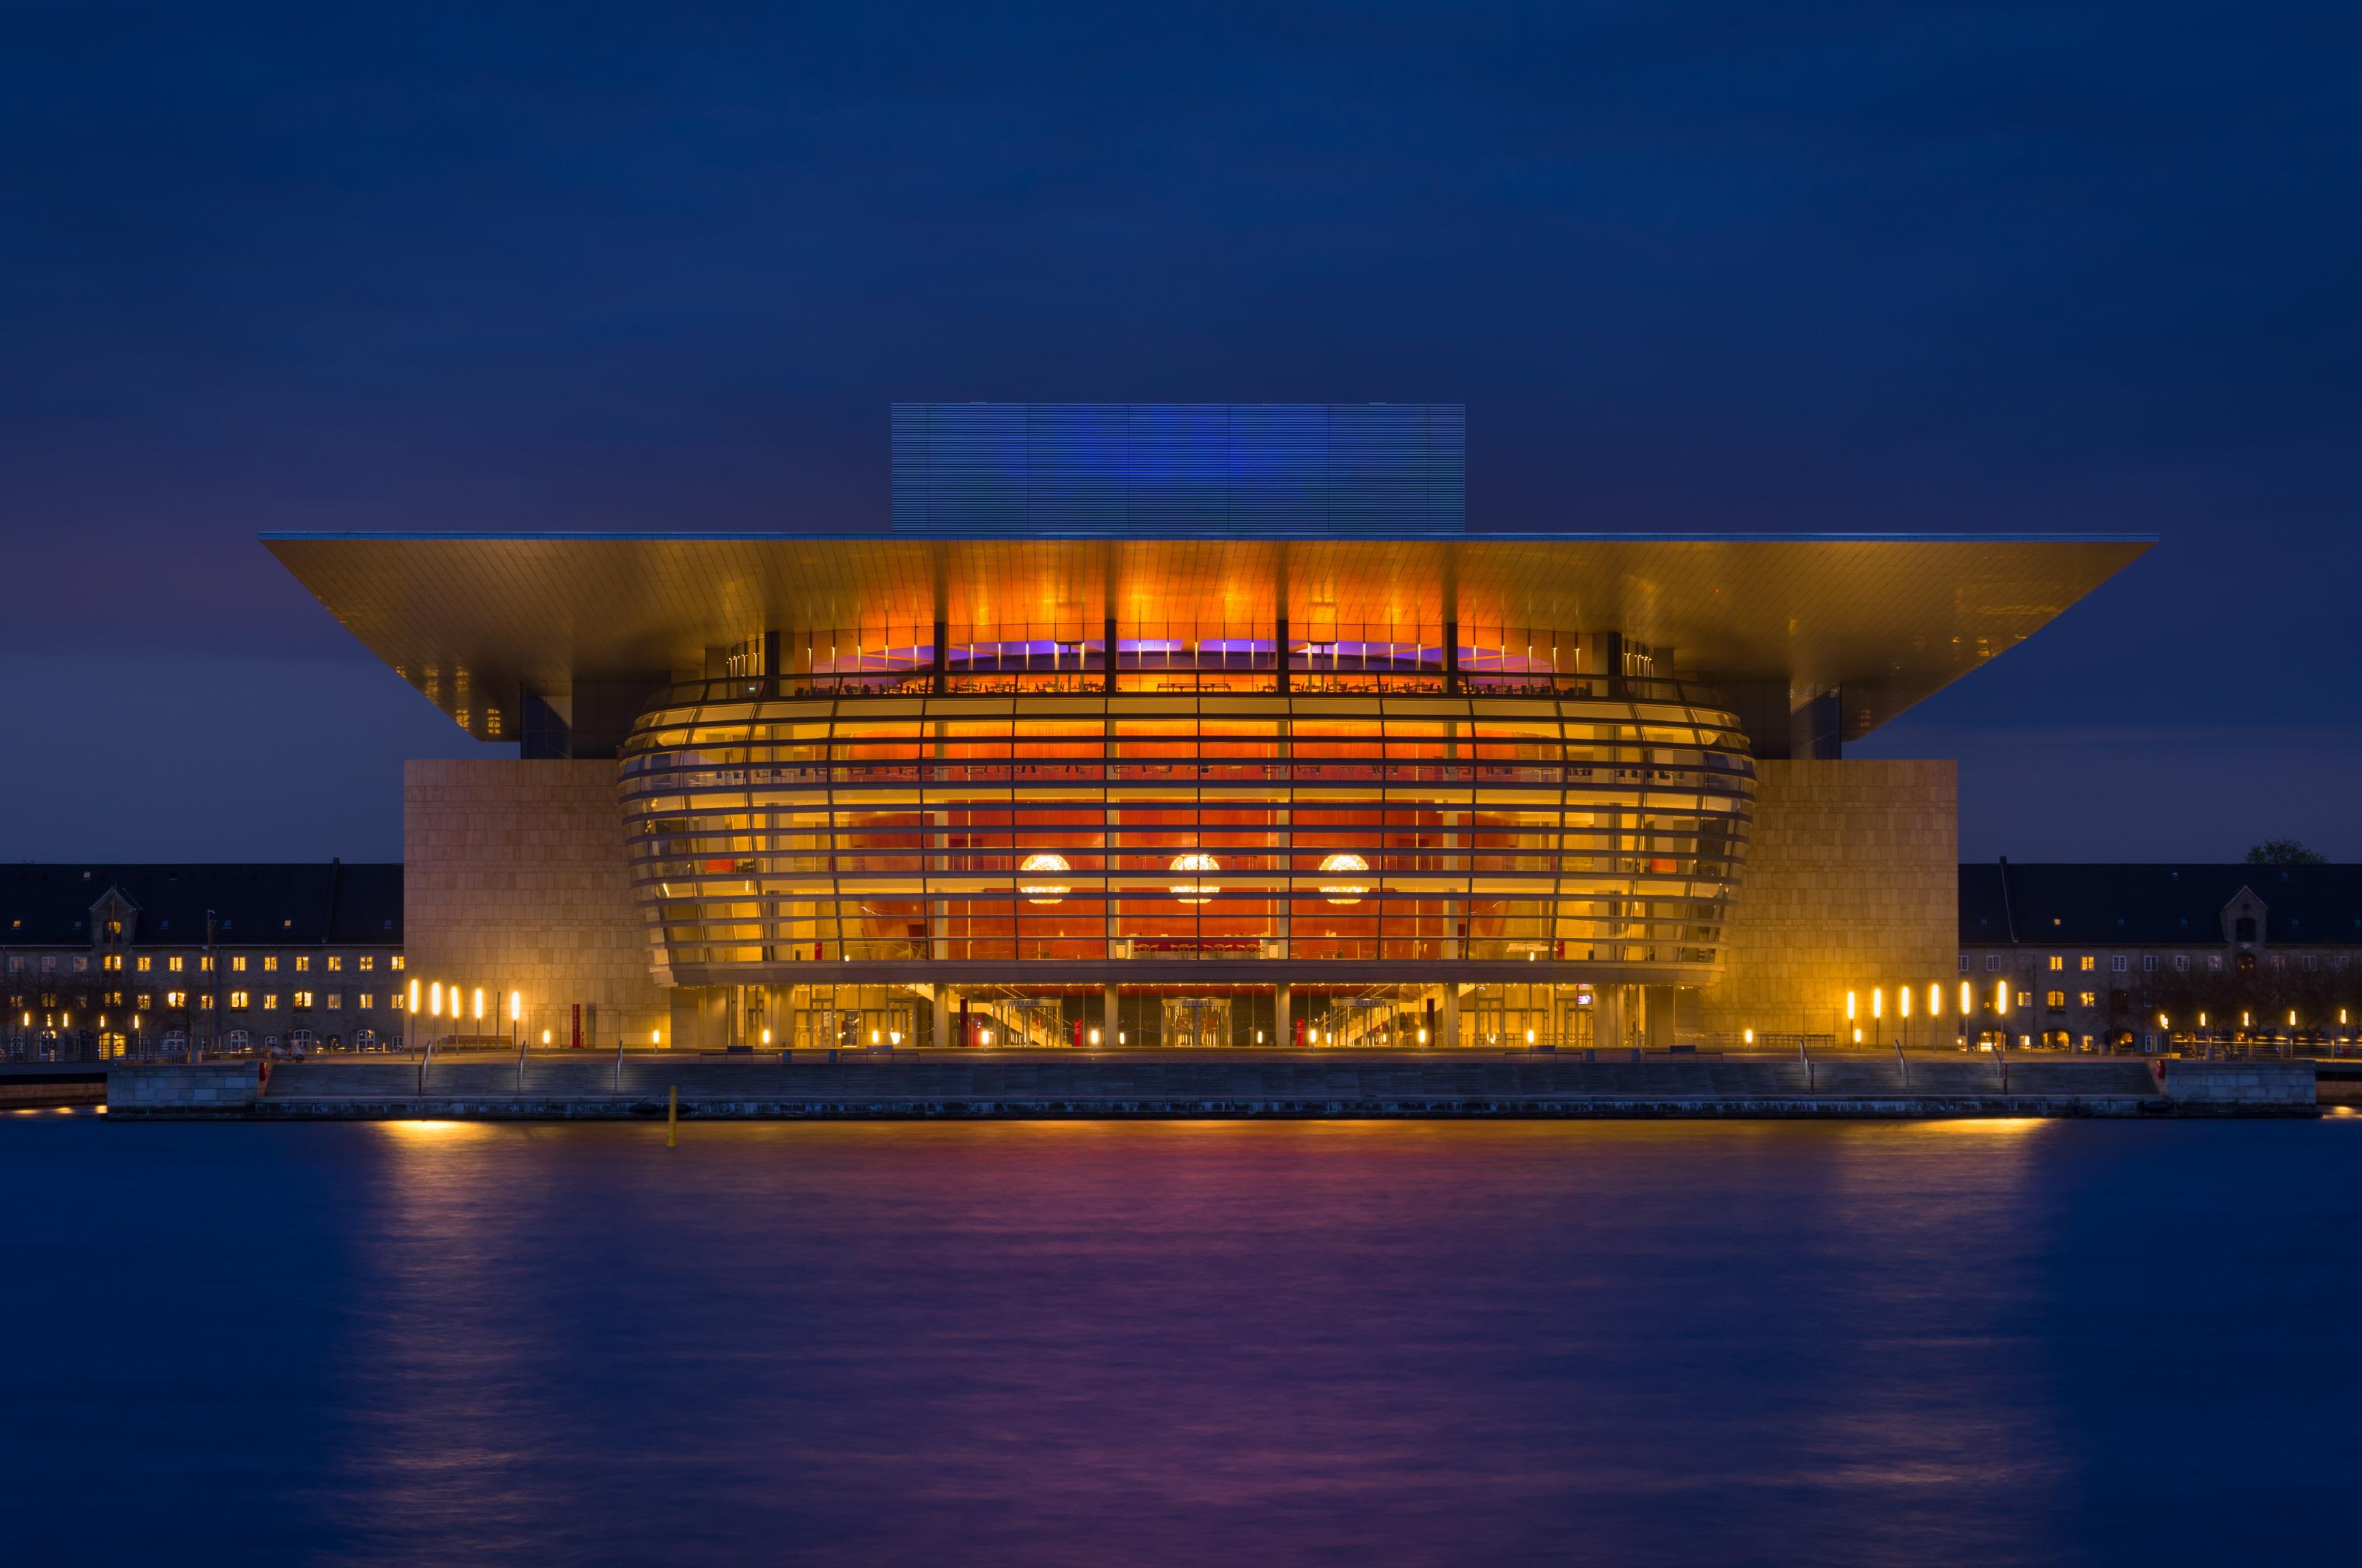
column 2284, row 852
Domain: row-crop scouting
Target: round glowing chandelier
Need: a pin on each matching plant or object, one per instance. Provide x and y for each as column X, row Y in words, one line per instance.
column 1343, row 892
column 1040, row 891
column 1197, row 862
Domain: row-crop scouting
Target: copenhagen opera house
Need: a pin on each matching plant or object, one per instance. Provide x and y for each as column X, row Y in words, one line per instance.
column 1197, row 725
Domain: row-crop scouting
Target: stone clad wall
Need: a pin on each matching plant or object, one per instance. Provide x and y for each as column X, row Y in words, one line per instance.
column 513, row 876
column 196, row 1088
column 1852, row 880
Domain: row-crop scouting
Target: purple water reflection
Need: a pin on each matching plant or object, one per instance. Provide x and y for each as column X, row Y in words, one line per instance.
column 1091, row 1343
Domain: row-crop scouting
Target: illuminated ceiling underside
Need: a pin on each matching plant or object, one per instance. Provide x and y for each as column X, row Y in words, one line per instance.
column 1889, row 618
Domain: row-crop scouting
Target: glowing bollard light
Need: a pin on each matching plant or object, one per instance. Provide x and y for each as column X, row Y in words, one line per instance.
column 434, row 1000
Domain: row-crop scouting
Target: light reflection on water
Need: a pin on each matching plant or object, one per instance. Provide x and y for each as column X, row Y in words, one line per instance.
column 1415, row 1343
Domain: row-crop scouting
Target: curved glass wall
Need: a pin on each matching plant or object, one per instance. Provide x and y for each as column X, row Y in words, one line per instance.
column 1100, row 838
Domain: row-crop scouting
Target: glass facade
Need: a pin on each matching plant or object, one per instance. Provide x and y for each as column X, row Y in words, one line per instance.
column 785, row 832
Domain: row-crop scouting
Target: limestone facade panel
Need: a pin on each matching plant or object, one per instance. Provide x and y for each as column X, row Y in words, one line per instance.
column 1853, row 881
column 514, row 877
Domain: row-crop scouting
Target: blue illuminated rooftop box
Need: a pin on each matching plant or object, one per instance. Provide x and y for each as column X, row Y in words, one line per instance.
column 1179, row 470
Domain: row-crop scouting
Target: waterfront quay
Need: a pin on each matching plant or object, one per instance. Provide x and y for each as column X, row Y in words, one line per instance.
column 910, row 1085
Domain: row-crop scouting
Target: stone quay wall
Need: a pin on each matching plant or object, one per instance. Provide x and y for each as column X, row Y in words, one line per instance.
column 954, row 1085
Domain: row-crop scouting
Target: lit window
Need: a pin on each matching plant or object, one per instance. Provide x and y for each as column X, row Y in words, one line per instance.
column 112, row 961
column 2055, row 1000
column 205, row 964
column 396, row 960
column 81, row 966
column 303, row 998
column 367, row 1001
column 205, row 1003
column 238, row 963
column 270, row 1002
column 237, row 999
column 335, row 962
column 302, row 962
column 394, row 1002
column 143, row 1001
column 2087, row 963
column 176, row 999
column 369, row 962
column 144, row 963
column 270, row 962
column 2057, row 962
column 175, row 963
column 2087, row 999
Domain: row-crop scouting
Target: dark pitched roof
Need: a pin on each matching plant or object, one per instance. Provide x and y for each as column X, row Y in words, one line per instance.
column 48, row 906
column 2092, row 905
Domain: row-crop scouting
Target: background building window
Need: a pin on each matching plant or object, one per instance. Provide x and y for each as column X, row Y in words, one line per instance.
column 2087, row 963
column 2055, row 1000
column 2087, row 999
column 1992, row 963
column 237, row 999
column 303, row 964
column 238, row 963
column 2148, row 963
column 2057, row 963
column 369, row 962
column 270, row 1002
column 1964, row 963
column 270, row 962
column 2119, row 964
column 335, row 962
column 303, row 998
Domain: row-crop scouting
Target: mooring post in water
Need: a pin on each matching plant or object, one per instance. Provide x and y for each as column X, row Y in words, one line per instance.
column 1901, row 1065
column 672, row 1117
column 619, row 1064
column 1811, row 1078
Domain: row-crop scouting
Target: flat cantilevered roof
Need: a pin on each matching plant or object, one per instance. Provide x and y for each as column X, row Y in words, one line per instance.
column 1888, row 619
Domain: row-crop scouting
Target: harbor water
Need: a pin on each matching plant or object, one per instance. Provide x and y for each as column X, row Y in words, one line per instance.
column 1181, row 1342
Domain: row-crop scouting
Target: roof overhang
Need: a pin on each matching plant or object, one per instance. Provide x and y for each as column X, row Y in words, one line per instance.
column 1888, row 619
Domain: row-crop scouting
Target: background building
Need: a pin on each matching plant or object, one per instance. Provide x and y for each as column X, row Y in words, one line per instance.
column 1183, row 724
column 119, row 960
column 2144, row 956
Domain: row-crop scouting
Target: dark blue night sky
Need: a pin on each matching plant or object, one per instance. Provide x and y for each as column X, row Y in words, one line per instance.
column 2005, row 268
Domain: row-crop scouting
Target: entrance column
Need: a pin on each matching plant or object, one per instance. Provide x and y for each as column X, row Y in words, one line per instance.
column 1608, row 1016
column 1450, row 1028
column 1108, row 1014
column 943, row 1020
column 1283, row 1007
